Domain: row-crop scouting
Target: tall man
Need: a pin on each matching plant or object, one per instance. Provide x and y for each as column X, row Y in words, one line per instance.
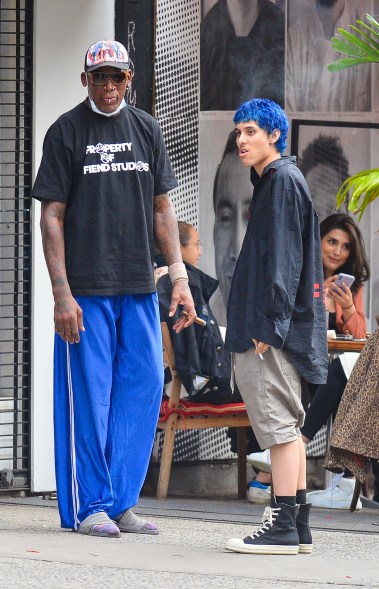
column 276, row 321
column 103, row 184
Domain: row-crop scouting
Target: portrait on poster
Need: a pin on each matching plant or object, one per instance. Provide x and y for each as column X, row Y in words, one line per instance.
column 327, row 155
column 310, row 87
column 224, row 199
column 241, row 53
column 328, row 152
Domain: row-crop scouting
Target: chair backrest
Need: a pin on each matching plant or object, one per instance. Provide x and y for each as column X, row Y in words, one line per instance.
column 168, row 350
column 169, row 358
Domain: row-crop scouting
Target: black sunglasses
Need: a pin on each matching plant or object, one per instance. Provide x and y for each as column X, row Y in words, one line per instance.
column 101, row 78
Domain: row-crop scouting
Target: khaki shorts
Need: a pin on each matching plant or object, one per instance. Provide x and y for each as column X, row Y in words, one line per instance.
column 271, row 390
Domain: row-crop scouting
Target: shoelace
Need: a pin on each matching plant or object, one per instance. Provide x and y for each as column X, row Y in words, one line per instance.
column 270, row 515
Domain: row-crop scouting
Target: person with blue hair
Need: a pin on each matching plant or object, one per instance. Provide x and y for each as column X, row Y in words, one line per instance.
column 276, row 325
column 268, row 115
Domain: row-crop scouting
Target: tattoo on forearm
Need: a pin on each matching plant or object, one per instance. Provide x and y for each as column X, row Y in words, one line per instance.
column 62, row 305
column 166, row 229
column 52, row 229
column 58, row 281
column 161, row 203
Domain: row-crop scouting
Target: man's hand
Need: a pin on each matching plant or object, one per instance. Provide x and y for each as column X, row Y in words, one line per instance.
column 181, row 295
column 68, row 316
column 68, row 319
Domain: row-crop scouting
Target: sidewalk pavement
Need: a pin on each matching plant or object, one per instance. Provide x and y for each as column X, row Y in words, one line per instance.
column 187, row 554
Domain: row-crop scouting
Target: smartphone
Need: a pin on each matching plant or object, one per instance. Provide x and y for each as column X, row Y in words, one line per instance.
column 348, row 279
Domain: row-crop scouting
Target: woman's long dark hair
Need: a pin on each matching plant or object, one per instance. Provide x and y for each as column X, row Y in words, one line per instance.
column 357, row 263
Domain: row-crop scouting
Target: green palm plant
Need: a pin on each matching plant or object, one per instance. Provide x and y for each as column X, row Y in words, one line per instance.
column 363, row 188
column 361, row 46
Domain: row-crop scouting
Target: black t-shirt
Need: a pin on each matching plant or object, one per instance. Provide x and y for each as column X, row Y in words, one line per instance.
column 107, row 170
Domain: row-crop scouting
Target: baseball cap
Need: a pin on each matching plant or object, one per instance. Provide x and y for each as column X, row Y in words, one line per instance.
column 106, row 52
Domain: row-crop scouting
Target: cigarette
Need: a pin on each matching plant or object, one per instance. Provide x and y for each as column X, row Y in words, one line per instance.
column 260, row 355
column 197, row 320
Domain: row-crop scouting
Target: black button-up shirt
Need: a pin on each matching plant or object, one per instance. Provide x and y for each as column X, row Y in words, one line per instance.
column 276, row 292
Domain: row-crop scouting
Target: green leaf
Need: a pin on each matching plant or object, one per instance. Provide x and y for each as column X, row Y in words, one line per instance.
column 341, row 64
column 372, row 20
column 364, row 188
column 372, row 32
column 359, row 51
column 375, row 46
column 362, row 47
column 343, row 47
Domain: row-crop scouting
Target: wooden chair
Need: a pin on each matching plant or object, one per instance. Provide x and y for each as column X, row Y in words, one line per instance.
column 177, row 414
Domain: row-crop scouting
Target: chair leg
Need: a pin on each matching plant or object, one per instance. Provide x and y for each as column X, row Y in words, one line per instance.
column 241, row 449
column 166, row 459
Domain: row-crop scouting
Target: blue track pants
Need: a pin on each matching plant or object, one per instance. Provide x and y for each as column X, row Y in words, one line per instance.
column 107, row 393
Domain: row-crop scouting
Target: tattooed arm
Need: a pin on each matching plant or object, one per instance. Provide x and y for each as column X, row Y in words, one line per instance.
column 166, row 234
column 68, row 316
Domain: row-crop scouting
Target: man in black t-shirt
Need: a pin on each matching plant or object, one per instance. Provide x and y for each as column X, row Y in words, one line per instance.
column 103, row 184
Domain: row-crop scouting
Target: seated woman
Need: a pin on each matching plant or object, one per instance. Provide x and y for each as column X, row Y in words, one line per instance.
column 342, row 251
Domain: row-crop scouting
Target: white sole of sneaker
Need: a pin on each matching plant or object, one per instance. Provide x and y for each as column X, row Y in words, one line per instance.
column 263, row 466
column 263, row 549
column 336, row 505
column 259, row 500
column 305, row 548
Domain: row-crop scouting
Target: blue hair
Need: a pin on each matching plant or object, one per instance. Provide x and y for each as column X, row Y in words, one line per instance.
column 268, row 115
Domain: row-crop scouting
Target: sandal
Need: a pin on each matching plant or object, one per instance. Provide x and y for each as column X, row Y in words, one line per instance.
column 130, row 523
column 99, row 524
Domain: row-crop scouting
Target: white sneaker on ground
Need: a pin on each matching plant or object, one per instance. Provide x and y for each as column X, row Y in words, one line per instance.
column 260, row 460
column 335, row 497
column 259, row 493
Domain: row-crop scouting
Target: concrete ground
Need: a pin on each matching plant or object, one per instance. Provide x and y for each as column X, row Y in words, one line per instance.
column 187, row 554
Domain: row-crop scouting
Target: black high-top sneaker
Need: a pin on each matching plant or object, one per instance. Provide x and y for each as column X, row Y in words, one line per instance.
column 303, row 529
column 277, row 534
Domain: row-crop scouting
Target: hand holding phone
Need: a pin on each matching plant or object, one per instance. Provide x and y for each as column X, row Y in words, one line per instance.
column 338, row 281
column 348, row 279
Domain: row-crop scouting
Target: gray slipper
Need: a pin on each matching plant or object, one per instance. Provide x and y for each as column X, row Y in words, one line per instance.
column 130, row 523
column 99, row 524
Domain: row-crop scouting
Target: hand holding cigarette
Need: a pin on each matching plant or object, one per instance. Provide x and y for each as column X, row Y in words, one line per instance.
column 260, row 348
column 197, row 319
